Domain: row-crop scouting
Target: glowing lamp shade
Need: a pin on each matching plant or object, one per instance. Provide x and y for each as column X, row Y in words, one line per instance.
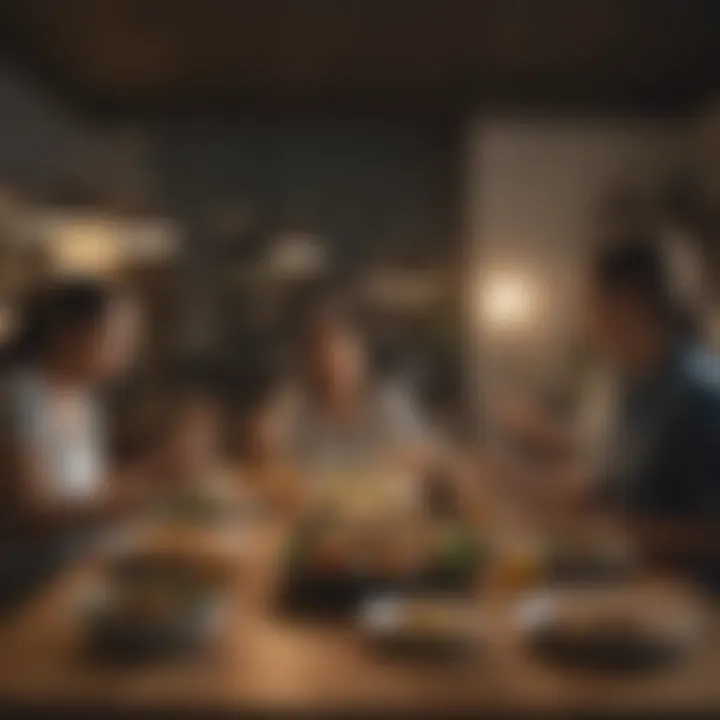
column 297, row 255
column 507, row 302
column 86, row 248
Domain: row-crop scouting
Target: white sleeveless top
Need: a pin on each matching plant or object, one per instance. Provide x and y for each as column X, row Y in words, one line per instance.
column 67, row 430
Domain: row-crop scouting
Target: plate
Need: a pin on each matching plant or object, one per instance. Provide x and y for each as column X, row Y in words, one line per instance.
column 421, row 626
column 621, row 630
column 113, row 632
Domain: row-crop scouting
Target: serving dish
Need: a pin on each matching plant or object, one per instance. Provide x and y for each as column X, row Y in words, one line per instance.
column 620, row 630
column 141, row 615
column 330, row 565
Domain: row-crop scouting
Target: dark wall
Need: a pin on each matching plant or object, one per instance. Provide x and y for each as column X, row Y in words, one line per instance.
column 377, row 191
column 363, row 185
column 42, row 143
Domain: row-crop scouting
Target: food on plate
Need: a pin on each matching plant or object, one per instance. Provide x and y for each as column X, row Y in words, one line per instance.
column 383, row 548
column 457, row 549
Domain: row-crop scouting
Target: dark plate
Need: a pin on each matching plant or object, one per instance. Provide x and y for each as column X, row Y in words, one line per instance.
column 608, row 651
column 613, row 642
column 338, row 591
column 425, row 650
column 341, row 593
column 331, row 593
column 119, row 638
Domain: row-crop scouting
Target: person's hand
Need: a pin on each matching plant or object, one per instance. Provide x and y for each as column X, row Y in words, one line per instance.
column 525, row 420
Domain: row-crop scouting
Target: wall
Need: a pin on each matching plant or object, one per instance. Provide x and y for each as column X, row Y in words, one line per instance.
column 372, row 190
column 41, row 142
column 533, row 195
column 45, row 145
column 376, row 190
column 531, row 192
column 366, row 186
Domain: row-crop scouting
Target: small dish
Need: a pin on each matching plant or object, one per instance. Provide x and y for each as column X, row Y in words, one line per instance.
column 150, row 619
column 421, row 626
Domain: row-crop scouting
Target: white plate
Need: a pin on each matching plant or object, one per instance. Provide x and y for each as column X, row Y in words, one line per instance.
column 389, row 618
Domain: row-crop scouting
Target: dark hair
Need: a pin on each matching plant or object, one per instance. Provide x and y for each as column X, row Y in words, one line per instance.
column 63, row 307
column 635, row 266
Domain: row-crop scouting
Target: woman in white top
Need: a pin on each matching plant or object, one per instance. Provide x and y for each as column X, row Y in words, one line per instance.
column 344, row 417
column 348, row 425
column 55, row 488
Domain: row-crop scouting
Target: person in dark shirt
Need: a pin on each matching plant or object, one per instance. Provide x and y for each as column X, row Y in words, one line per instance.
column 661, row 460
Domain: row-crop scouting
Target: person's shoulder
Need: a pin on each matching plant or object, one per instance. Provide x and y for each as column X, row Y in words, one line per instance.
column 702, row 371
column 702, row 374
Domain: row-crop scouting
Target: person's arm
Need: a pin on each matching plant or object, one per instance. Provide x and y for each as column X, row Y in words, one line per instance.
column 35, row 511
column 528, row 423
column 425, row 452
column 32, row 506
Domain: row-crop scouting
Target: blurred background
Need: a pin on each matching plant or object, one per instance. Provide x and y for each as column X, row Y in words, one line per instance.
column 449, row 164
column 446, row 169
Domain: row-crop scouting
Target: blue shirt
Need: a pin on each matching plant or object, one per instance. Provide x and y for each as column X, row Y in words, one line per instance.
column 667, row 440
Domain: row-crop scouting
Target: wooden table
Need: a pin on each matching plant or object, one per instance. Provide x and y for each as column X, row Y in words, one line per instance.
column 268, row 663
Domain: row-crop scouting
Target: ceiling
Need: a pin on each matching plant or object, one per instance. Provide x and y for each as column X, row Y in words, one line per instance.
column 441, row 55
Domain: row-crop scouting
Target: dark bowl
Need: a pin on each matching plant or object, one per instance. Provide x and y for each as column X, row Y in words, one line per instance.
column 609, row 651
column 112, row 635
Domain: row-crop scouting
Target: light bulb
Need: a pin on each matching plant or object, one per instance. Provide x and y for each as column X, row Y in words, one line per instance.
column 507, row 301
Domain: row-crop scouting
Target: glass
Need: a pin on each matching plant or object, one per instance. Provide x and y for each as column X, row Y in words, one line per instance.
column 517, row 565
